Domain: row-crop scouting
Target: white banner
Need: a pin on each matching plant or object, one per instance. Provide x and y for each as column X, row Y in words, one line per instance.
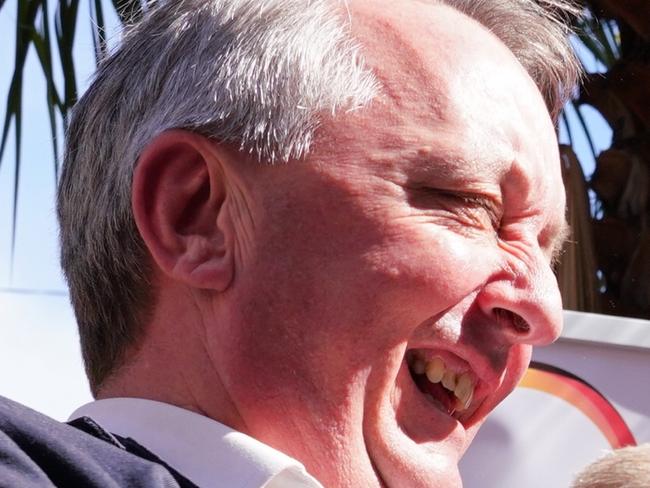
column 583, row 396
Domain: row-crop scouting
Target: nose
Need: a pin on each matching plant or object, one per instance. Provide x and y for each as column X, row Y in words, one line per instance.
column 524, row 302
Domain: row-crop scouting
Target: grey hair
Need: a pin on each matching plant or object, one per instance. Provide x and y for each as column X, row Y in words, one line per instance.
column 536, row 31
column 256, row 74
column 628, row 467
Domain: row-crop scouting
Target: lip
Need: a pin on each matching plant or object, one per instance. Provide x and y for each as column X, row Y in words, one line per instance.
column 488, row 380
column 432, row 423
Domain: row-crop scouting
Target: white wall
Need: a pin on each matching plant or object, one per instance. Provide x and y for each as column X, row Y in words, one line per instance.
column 40, row 361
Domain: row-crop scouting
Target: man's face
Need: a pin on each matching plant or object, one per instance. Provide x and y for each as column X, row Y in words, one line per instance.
column 417, row 235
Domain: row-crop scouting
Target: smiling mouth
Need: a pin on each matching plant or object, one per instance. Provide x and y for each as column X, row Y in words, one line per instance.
column 450, row 388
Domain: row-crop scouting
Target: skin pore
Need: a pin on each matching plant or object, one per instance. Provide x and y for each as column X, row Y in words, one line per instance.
column 289, row 295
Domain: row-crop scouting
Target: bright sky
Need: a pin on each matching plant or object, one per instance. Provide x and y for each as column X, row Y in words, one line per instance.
column 40, row 363
column 37, row 335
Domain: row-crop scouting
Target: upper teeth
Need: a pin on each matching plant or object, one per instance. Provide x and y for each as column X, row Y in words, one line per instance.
column 436, row 371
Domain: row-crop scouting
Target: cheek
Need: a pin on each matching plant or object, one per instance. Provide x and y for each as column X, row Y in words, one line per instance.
column 437, row 268
column 352, row 296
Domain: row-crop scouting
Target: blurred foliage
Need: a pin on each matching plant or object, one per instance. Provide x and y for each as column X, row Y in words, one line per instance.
column 607, row 269
column 33, row 31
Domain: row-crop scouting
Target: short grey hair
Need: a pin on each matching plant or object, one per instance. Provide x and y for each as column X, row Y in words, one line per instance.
column 628, row 467
column 257, row 74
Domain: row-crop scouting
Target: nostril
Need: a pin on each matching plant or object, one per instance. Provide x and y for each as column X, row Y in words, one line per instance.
column 520, row 324
column 511, row 319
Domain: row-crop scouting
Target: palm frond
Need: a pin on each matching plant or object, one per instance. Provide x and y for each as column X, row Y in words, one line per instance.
column 42, row 44
column 98, row 29
column 130, row 11
column 65, row 26
column 585, row 128
column 27, row 12
column 567, row 127
column 598, row 37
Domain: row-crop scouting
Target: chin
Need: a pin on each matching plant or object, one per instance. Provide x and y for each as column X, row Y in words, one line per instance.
column 417, row 431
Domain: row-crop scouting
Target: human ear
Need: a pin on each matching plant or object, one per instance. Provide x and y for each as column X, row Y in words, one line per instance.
column 179, row 186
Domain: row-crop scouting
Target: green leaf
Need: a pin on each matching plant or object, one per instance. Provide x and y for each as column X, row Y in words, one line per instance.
column 614, row 39
column 129, row 11
column 42, row 45
column 65, row 26
column 27, row 12
column 597, row 30
column 596, row 34
column 98, row 29
column 53, row 98
column 14, row 215
column 593, row 46
column 567, row 126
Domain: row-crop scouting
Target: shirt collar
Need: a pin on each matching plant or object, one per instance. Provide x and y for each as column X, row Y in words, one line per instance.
column 205, row 451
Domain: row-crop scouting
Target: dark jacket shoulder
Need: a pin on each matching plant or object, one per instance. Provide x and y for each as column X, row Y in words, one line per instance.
column 37, row 451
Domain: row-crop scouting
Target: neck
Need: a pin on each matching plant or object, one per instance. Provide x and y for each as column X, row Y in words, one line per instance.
column 171, row 365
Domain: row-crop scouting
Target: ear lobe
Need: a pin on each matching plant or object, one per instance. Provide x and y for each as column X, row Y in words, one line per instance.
column 177, row 195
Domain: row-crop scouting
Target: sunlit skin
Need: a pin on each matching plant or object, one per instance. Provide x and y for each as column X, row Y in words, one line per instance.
column 288, row 297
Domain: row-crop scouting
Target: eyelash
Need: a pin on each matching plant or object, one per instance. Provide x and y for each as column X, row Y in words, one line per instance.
column 476, row 202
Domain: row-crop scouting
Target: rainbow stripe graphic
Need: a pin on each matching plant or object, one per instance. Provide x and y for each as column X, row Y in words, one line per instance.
column 584, row 397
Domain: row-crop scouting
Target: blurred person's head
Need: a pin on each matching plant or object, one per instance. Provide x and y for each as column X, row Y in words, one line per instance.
column 628, row 467
column 329, row 225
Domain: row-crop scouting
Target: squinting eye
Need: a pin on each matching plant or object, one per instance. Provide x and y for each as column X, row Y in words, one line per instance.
column 484, row 205
column 474, row 209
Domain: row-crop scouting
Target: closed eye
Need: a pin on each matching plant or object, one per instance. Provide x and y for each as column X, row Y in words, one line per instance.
column 489, row 206
column 480, row 209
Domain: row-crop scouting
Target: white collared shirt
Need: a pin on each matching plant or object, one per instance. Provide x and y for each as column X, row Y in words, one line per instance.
column 203, row 450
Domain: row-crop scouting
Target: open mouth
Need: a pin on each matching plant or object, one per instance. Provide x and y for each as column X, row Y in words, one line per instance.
column 448, row 383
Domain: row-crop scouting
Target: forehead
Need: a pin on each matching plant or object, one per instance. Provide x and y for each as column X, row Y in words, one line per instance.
column 427, row 55
column 441, row 73
column 455, row 104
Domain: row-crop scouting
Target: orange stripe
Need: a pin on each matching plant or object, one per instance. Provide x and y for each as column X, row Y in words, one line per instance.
column 586, row 399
